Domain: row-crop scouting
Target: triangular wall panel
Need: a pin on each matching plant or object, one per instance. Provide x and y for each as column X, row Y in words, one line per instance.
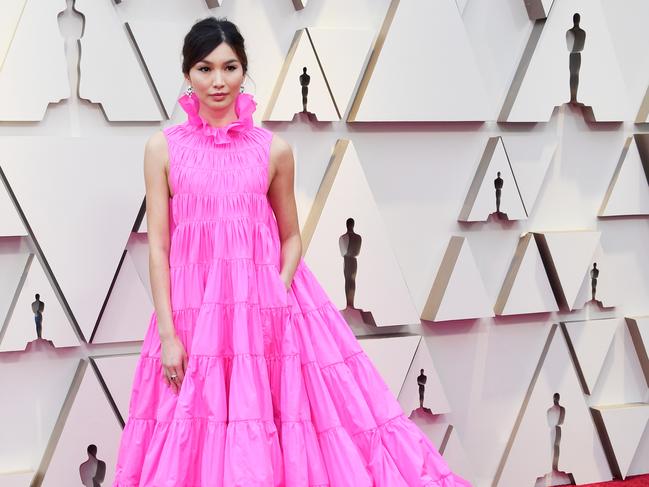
column 21, row 327
column 142, row 227
column 448, row 85
column 528, row 454
column 342, row 72
column 530, row 159
column 434, row 396
column 86, row 418
column 286, row 99
column 480, row 201
column 589, row 343
column 103, row 173
column 545, row 83
column 568, row 256
column 526, row 288
column 14, row 269
column 639, row 464
column 458, row 459
column 118, row 372
column 639, row 331
column 10, row 223
column 607, row 287
column 458, row 291
column 392, row 357
column 345, row 193
column 621, row 427
column 161, row 54
column 127, row 314
column 628, row 191
column 138, row 249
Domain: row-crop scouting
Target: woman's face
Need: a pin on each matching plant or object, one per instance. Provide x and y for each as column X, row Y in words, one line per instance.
column 220, row 72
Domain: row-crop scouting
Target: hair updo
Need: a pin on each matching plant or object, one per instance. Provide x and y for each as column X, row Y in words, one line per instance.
column 207, row 34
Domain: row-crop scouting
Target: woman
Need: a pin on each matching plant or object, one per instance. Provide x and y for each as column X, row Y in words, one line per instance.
column 248, row 375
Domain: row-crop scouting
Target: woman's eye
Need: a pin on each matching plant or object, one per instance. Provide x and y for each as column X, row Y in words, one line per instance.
column 206, row 68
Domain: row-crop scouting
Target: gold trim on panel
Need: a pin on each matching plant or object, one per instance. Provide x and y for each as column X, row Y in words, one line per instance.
column 3, row 55
column 616, row 175
column 639, row 345
column 521, row 413
column 371, row 64
column 643, row 111
column 521, row 71
column 600, row 426
column 288, row 61
column 605, row 438
column 323, row 193
column 282, row 74
column 512, row 273
column 59, row 425
column 581, row 375
column 322, row 70
column 6, row 319
column 551, row 271
column 412, row 361
column 442, row 278
column 642, row 143
column 447, row 435
column 478, row 178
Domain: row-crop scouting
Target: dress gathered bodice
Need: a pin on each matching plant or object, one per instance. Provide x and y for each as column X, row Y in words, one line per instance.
column 219, row 180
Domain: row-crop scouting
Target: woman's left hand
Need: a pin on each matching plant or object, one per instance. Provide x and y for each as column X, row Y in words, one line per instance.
column 287, row 286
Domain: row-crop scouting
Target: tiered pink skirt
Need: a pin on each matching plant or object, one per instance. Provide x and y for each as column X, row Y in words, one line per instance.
column 277, row 392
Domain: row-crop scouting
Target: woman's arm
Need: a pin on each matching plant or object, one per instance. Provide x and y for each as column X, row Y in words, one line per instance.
column 157, row 218
column 282, row 199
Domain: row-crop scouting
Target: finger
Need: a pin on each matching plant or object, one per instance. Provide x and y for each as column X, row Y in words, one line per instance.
column 176, row 381
column 181, row 376
column 181, row 373
column 168, row 373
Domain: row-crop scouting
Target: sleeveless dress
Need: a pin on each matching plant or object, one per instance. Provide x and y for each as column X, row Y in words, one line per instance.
column 277, row 391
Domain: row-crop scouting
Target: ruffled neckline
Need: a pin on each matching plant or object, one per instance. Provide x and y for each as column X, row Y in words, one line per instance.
column 244, row 106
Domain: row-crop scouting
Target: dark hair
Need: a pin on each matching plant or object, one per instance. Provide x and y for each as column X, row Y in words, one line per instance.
column 205, row 35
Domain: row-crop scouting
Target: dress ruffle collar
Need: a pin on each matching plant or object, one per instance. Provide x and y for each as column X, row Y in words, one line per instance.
column 244, row 106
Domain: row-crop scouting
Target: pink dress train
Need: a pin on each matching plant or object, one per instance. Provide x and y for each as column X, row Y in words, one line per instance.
column 277, row 391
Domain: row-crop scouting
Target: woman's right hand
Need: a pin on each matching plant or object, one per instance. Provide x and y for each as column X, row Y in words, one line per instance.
column 174, row 361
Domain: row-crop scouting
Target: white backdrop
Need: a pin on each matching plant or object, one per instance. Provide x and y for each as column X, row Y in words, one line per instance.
column 419, row 174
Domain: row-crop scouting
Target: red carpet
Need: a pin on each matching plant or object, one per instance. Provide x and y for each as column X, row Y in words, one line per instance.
column 637, row 481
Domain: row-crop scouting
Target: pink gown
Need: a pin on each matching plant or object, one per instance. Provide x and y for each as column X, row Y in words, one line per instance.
column 277, row 391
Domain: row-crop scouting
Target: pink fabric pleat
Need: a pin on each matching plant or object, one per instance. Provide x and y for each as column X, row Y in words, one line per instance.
column 277, row 391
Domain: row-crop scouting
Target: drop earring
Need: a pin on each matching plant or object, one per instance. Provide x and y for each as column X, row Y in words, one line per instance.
column 189, row 91
column 241, row 89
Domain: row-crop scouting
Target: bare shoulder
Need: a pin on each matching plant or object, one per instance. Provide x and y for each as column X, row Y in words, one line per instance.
column 280, row 151
column 157, row 142
column 156, row 148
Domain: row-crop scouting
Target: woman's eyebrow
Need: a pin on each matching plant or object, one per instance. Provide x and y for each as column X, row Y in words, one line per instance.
column 225, row 62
